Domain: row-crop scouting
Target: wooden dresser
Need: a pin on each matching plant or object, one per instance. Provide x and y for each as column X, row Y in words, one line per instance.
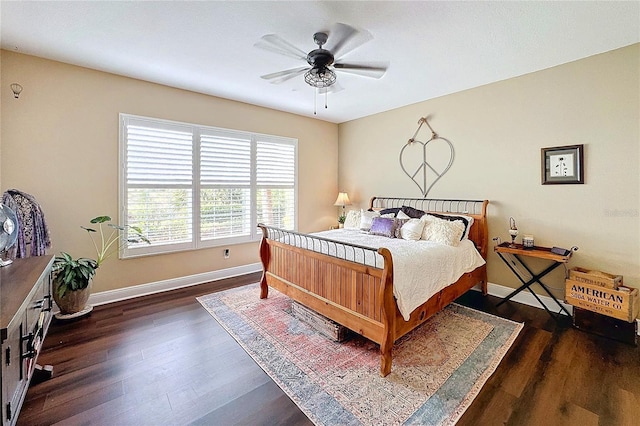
column 26, row 310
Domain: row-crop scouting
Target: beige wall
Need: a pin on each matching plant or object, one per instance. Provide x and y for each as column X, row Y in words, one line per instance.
column 498, row 131
column 60, row 143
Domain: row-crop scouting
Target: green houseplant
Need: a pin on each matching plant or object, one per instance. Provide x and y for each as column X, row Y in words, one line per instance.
column 72, row 277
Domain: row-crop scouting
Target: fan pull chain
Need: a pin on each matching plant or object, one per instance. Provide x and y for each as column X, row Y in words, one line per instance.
column 315, row 100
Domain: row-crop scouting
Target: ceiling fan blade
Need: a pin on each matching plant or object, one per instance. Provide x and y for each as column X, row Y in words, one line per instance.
column 275, row 43
column 342, row 39
column 281, row 76
column 373, row 70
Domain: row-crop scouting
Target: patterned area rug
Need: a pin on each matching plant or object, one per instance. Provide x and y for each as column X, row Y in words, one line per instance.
column 438, row 369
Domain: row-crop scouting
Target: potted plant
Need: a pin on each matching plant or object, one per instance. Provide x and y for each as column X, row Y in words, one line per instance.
column 341, row 219
column 72, row 277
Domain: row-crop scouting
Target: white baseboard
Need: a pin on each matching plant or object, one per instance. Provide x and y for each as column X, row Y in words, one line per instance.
column 111, row 296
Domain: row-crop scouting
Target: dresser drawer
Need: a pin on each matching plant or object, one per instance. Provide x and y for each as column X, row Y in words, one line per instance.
column 38, row 316
column 14, row 381
column 25, row 316
column 35, row 306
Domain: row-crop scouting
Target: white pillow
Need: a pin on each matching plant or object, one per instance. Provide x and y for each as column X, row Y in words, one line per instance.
column 353, row 220
column 412, row 229
column 469, row 222
column 366, row 219
column 402, row 215
column 442, row 231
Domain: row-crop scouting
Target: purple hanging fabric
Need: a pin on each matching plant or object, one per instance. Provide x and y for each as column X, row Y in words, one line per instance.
column 32, row 227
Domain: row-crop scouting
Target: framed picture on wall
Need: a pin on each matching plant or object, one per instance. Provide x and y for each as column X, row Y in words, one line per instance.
column 563, row 164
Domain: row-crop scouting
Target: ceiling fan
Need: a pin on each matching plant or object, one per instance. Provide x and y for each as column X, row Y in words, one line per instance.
column 322, row 63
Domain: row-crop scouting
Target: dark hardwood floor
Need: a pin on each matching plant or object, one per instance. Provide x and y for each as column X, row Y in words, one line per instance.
column 163, row 360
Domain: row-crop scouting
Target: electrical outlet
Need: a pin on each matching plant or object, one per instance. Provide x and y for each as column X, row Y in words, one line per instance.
column 226, row 253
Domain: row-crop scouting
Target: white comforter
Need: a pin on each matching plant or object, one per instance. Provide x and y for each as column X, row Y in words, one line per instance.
column 420, row 268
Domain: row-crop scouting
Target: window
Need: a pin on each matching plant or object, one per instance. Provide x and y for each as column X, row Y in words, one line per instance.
column 189, row 186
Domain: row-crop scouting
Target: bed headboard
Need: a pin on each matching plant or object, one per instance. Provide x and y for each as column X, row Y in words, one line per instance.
column 477, row 209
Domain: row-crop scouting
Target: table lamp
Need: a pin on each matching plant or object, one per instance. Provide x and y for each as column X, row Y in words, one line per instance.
column 342, row 200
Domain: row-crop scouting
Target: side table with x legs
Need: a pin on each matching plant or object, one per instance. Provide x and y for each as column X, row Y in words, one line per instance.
column 508, row 252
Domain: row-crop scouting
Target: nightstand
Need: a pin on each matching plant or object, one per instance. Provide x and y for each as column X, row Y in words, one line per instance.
column 508, row 253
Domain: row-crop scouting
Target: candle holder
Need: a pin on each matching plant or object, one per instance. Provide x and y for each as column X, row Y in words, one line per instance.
column 514, row 234
column 513, row 231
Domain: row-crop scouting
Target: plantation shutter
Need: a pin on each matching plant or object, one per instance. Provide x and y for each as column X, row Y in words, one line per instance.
column 275, row 183
column 159, row 180
column 225, row 185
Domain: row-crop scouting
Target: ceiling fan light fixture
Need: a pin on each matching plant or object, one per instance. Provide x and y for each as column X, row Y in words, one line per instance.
column 320, row 77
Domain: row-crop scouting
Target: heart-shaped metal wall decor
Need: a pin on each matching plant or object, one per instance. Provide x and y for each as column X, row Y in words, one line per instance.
column 423, row 173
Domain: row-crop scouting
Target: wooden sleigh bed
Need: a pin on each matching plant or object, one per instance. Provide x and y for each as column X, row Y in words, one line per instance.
column 355, row 294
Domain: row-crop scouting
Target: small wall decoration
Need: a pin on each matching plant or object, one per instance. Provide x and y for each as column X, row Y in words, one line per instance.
column 563, row 164
column 420, row 168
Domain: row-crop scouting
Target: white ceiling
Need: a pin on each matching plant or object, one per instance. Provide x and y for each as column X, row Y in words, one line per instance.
column 433, row 48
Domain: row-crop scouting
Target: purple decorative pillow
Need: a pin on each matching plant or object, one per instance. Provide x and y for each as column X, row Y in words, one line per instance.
column 383, row 226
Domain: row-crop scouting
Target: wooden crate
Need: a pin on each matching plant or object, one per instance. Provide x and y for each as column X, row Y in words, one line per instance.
column 606, row 326
column 593, row 277
column 320, row 323
column 619, row 304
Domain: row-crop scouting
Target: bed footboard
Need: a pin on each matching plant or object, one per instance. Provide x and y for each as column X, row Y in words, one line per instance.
column 350, row 292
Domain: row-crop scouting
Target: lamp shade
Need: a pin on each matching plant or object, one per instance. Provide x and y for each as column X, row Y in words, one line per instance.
column 342, row 200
